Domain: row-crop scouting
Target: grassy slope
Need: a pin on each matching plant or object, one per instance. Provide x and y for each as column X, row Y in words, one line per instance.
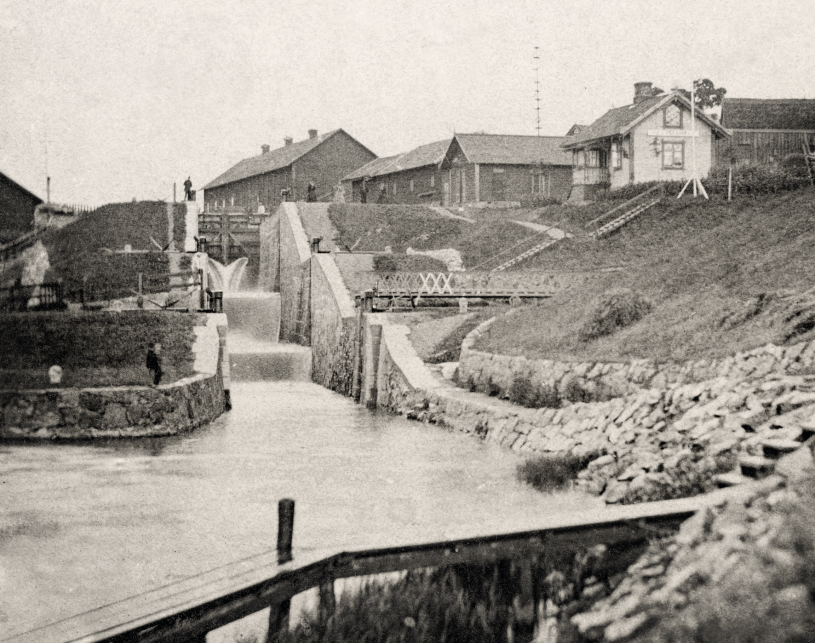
column 699, row 261
column 373, row 227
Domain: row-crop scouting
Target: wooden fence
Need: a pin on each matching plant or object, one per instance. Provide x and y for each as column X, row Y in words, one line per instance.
column 187, row 610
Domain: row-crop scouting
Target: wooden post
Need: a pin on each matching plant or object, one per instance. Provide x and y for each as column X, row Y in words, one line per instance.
column 328, row 601
column 141, row 282
column 729, row 182
column 279, row 612
column 504, row 622
column 285, row 530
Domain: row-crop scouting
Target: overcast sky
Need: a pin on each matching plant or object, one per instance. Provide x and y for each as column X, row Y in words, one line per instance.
column 119, row 100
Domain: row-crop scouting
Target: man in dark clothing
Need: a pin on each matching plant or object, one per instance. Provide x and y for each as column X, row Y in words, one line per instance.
column 188, row 190
column 154, row 362
column 311, row 194
column 363, row 192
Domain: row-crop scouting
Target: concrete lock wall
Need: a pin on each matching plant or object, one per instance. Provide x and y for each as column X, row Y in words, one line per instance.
column 126, row 411
column 295, row 269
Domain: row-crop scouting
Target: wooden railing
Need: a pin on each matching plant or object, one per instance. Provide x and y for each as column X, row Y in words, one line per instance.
column 590, row 175
column 657, row 190
column 188, row 609
column 39, row 297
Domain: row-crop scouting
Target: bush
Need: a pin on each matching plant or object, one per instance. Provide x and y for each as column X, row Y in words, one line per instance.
column 551, row 473
column 524, row 392
column 757, row 179
column 93, row 340
column 672, row 188
column 616, row 309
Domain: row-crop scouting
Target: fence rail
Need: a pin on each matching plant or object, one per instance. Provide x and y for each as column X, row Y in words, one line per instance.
column 188, row 609
column 23, row 298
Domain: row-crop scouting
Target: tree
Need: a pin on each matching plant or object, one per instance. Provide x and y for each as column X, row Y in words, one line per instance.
column 707, row 95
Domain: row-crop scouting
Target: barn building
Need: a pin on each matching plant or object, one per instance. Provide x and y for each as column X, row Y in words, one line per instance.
column 17, row 207
column 765, row 130
column 285, row 173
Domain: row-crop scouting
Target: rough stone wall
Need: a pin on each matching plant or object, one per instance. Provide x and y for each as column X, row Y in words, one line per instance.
column 334, row 327
column 111, row 412
column 652, row 444
column 597, row 381
column 295, row 268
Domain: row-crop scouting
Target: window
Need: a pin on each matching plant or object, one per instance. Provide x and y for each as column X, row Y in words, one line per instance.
column 673, row 155
column 672, row 116
column 592, row 158
column 394, row 188
column 538, row 184
column 432, row 180
column 580, row 158
column 616, row 156
column 411, row 185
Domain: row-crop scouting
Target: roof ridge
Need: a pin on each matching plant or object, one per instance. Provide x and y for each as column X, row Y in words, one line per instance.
column 518, row 135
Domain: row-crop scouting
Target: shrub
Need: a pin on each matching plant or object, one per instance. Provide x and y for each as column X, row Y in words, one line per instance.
column 524, row 392
column 616, row 309
column 757, row 179
column 627, row 192
column 550, row 473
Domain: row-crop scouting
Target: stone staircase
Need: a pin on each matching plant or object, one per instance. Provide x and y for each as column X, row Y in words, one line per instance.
column 625, row 218
column 757, row 467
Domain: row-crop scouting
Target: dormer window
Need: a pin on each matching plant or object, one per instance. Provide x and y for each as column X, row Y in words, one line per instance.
column 672, row 116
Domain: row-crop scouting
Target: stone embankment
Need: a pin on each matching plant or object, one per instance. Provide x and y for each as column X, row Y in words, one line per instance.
column 740, row 570
column 127, row 411
column 650, row 444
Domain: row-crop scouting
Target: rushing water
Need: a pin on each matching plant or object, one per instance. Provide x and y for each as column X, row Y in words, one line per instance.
column 83, row 525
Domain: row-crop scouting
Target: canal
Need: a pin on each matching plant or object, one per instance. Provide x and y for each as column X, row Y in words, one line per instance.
column 86, row 524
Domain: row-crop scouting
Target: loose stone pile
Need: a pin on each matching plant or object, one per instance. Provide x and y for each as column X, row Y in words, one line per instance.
column 758, row 546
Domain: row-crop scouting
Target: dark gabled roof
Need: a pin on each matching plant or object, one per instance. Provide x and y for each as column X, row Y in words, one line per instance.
column 513, row 149
column 621, row 120
column 272, row 160
column 371, row 169
column 429, row 154
column 769, row 113
column 14, row 183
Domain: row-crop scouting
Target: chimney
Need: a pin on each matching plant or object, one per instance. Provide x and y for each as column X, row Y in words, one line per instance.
column 287, row 141
column 642, row 91
column 312, row 133
column 264, row 149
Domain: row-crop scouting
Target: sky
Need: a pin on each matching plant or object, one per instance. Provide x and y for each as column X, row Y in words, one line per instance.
column 119, row 100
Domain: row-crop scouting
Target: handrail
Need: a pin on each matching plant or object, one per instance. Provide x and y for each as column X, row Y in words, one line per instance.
column 188, row 609
column 623, row 205
column 510, row 249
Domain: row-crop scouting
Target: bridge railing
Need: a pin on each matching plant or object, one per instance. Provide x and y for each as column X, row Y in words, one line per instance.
column 470, row 283
column 188, row 609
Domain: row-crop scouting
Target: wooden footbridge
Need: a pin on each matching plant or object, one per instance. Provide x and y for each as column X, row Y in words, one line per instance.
column 188, row 609
column 469, row 285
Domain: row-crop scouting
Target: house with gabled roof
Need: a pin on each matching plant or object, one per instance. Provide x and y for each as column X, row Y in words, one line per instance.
column 500, row 169
column 17, row 205
column 412, row 177
column 648, row 140
column 765, row 130
column 285, row 173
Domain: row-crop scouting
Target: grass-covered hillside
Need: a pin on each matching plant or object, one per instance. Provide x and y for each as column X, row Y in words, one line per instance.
column 76, row 252
column 721, row 277
column 376, row 227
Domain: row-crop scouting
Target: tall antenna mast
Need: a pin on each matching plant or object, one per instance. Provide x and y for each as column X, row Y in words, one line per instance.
column 537, row 92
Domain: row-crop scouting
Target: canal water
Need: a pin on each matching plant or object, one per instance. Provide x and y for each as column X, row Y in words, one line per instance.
column 83, row 525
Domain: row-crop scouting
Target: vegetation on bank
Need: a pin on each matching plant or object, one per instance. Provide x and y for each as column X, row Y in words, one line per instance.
column 722, row 277
column 93, row 349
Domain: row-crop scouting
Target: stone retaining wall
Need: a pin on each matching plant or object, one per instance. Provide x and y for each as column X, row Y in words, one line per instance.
column 127, row 411
column 649, row 445
column 598, row 381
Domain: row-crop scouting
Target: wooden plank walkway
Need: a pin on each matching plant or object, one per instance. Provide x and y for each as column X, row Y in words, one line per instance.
column 188, row 609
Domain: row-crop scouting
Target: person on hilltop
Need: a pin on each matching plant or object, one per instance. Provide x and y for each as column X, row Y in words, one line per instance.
column 154, row 361
column 311, row 194
column 188, row 190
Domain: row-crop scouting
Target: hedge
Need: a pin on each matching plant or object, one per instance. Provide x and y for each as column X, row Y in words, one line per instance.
column 97, row 339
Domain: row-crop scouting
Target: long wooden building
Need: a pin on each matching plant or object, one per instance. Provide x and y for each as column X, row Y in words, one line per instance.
column 261, row 180
column 765, row 130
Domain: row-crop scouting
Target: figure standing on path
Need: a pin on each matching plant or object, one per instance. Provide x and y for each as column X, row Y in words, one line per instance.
column 154, row 362
column 188, row 190
column 363, row 191
column 311, row 194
